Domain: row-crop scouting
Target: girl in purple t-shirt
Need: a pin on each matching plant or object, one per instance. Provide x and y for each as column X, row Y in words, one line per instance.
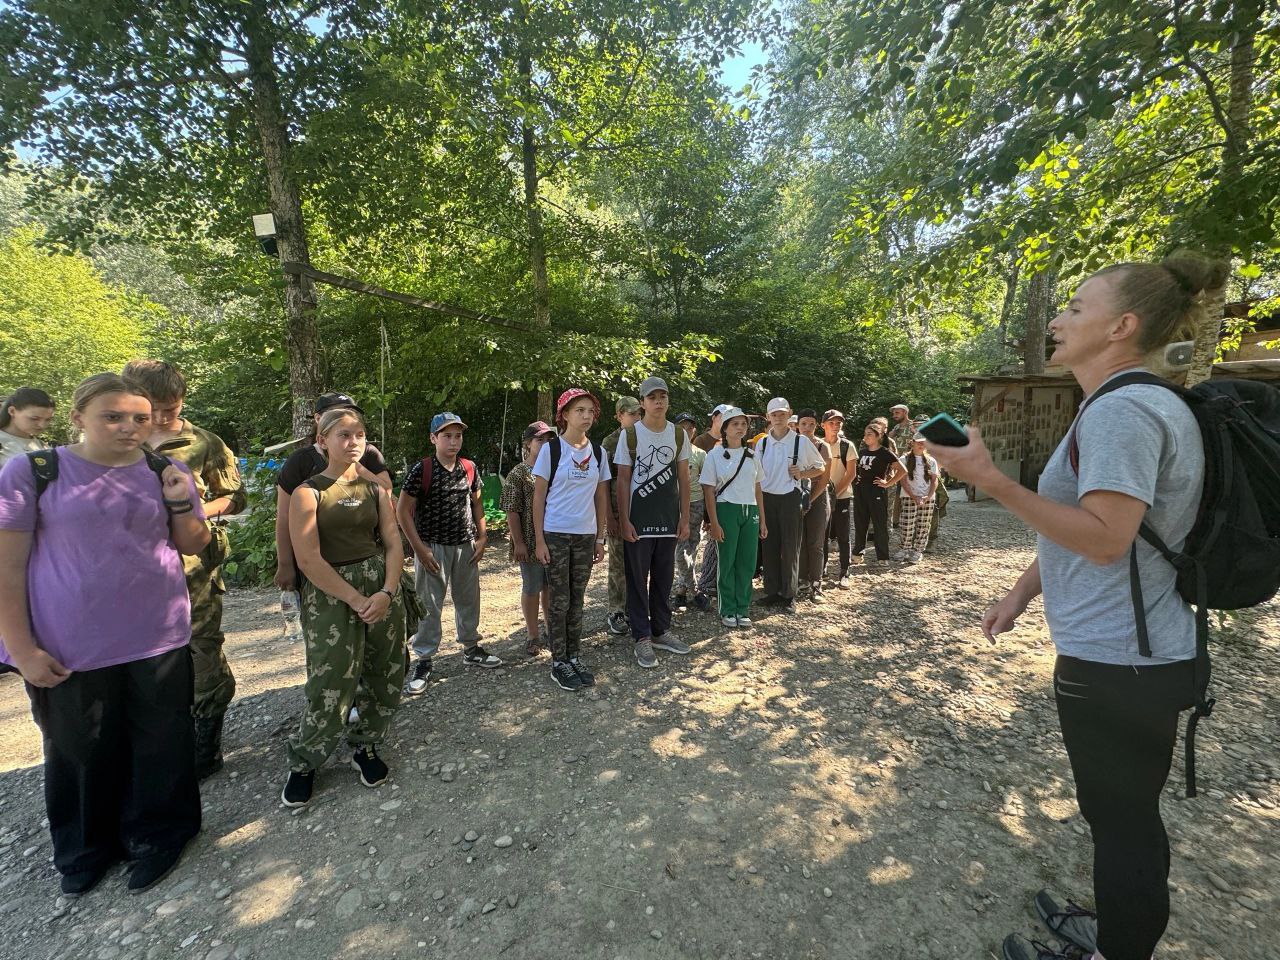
column 95, row 616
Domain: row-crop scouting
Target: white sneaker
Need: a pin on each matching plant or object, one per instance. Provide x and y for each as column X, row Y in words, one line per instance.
column 729, row 621
column 744, row 621
column 915, row 557
column 844, row 582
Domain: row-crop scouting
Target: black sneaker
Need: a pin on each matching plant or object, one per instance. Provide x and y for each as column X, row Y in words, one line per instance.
column 583, row 671
column 787, row 606
column 478, row 656
column 297, row 789
column 702, row 602
column 1072, row 922
column 418, row 678
column 565, row 676
column 680, row 602
column 373, row 772
column 618, row 623
column 1019, row 948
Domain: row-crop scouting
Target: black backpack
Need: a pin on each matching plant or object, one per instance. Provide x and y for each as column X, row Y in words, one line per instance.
column 44, row 467
column 1231, row 557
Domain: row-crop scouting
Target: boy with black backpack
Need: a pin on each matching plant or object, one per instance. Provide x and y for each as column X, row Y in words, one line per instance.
column 652, row 458
column 442, row 516
column 786, row 459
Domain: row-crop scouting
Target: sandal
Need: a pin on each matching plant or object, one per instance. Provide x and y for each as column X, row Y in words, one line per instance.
column 533, row 647
column 1072, row 923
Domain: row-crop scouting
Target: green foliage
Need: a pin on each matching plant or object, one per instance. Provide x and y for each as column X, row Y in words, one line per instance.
column 59, row 321
column 252, row 561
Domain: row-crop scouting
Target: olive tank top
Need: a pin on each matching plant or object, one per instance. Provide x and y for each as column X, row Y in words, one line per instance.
column 346, row 519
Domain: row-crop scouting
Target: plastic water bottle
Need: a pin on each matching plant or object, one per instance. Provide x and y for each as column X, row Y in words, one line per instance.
column 289, row 614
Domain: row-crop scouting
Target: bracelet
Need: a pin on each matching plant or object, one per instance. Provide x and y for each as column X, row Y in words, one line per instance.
column 600, row 539
column 176, row 503
column 174, row 513
column 389, row 594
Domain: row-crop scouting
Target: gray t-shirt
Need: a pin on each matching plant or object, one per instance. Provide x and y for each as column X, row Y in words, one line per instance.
column 1141, row 440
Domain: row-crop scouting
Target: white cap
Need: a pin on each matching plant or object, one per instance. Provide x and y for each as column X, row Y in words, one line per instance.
column 778, row 403
column 899, row 406
column 795, row 418
column 728, row 411
column 722, row 407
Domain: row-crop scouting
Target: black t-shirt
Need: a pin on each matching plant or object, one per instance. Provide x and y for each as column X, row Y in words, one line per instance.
column 304, row 464
column 874, row 465
column 443, row 514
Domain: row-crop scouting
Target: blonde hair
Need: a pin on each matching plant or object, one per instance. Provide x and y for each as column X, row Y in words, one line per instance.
column 331, row 418
column 1167, row 297
column 101, row 384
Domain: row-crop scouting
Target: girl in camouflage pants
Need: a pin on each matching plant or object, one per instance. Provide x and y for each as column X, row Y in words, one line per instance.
column 570, row 507
column 346, row 542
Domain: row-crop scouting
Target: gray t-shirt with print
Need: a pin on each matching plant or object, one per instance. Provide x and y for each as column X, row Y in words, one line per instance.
column 1141, row 440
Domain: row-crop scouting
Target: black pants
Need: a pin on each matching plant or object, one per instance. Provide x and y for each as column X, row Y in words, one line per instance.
column 1119, row 725
column 838, row 529
column 780, row 551
column 813, row 545
column 870, row 507
column 119, row 761
column 650, row 565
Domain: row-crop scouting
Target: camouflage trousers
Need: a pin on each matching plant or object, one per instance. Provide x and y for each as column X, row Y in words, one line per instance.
column 687, row 551
column 348, row 662
column 215, row 684
column 617, row 577
column 572, row 555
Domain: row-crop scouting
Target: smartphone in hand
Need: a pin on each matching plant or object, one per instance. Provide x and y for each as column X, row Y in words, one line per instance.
column 944, row 431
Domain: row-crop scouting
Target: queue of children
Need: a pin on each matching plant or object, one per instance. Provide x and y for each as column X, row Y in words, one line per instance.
column 643, row 499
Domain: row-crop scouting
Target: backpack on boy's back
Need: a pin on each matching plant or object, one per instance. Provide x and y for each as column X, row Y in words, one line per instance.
column 1231, row 557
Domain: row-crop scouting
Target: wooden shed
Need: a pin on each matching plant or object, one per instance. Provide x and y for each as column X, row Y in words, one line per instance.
column 1024, row 417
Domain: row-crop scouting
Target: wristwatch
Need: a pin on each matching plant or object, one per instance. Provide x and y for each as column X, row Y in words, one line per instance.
column 600, row 540
column 389, row 594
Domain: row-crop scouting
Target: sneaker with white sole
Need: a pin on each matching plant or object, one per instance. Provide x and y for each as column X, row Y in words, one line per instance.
column 901, row 555
column 729, row 621
column 478, row 656
column 844, row 581
column 665, row 641
column 644, row 653
column 915, row 557
column 583, row 671
column 373, row 771
column 618, row 623
column 418, row 678
column 565, row 676
column 297, row 789
column 744, row 621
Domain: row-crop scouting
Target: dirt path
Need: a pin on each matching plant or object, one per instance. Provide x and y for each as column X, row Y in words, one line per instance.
column 868, row 779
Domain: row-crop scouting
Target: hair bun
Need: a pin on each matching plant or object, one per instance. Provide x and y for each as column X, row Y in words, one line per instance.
column 1196, row 273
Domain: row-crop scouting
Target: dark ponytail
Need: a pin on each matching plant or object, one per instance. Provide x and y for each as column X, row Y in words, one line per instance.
column 911, row 467
column 22, row 398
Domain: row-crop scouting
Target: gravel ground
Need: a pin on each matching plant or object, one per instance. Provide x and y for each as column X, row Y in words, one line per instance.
column 867, row 779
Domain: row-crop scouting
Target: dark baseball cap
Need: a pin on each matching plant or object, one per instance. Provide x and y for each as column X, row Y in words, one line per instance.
column 832, row 414
column 539, row 428
column 330, row 401
column 687, row 418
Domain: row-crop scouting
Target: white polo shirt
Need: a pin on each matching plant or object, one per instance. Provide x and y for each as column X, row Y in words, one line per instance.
column 775, row 458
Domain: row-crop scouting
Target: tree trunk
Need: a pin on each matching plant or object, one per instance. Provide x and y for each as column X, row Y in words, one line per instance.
column 533, row 220
column 1234, row 153
column 1039, row 308
column 306, row 378
column 1006, row 308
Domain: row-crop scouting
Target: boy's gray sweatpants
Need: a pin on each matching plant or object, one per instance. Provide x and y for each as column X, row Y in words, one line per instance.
column 461, row 579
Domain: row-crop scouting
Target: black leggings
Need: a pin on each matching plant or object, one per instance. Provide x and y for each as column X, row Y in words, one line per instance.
column 1119, row 725
column 870, row 506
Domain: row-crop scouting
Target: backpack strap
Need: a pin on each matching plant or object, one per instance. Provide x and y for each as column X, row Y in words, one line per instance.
column 632, row 444
column 1115, row 383
column 746, row 453
column 844, row 452
column 469, row 468
column 680, row 438
column 426, row 474
column 44, row 467
column 795, row 453
column 554, row 454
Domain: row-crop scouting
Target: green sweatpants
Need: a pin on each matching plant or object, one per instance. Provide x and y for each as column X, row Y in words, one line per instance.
column 737, row 556
column 214, row 682
column 348, row 661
